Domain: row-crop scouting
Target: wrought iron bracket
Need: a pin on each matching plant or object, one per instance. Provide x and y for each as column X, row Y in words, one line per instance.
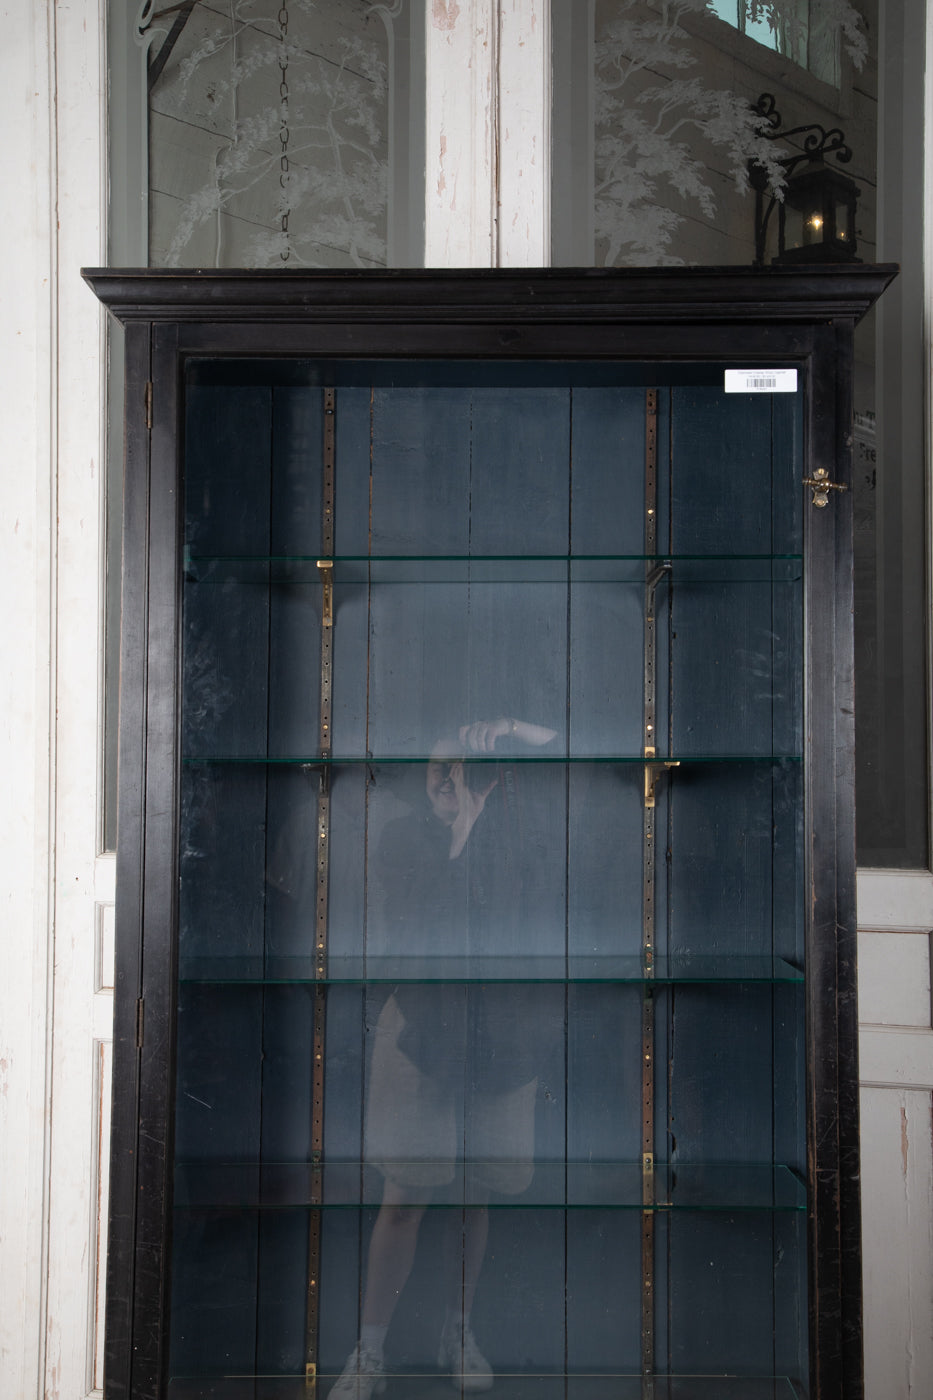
column 818, row 143
column 182, row 14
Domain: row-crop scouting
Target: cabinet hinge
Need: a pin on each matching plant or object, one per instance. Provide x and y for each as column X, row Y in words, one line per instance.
column 140, row 1022
column 149, row 403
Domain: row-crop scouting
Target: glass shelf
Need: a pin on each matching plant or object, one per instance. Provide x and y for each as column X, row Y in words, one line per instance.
column 684, row 968
column 556, row 1185
column 525, row 759
column 350, row 569
column 548, row 1386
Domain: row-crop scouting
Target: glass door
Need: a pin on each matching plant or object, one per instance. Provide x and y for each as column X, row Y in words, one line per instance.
column 490, row 1048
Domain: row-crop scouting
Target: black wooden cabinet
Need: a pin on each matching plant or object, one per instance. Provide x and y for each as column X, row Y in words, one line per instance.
column 485, row 942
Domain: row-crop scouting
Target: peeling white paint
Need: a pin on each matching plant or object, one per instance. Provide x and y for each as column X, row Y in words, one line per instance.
column 897, row 1187
column 26, row 646
column 459, row 39
column 524, row 235
column 50, row 630
column 444, row 14
column 487, row 200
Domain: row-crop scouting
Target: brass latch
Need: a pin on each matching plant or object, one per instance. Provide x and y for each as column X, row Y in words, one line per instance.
column 326, row 570
column 822, row 486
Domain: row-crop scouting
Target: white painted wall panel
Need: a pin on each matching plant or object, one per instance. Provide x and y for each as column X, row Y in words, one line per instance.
column 27, row 509
column 460, row 81
column 892, row 1055
column 60, row 465
column 886, row 999
column 488, row 133
column 896, row 1071
column 895, row 899
column 897, row 1223
column 524, row 144
column 96, row 1319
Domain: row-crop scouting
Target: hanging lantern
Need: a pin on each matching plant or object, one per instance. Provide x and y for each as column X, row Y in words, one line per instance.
column 816, row 222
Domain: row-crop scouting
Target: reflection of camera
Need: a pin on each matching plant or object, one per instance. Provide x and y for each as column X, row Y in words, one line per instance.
column 480, row 775
column 472, row 770
column 453, row 774
column 477, row 774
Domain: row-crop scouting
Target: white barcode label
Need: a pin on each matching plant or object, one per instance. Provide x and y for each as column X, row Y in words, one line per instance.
column 761, row 381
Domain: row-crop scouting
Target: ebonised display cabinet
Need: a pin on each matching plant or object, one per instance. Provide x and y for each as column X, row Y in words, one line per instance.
column 485, row 915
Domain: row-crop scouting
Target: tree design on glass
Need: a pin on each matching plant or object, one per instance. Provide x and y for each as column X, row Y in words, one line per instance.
column 668, row 140
column 268, row 134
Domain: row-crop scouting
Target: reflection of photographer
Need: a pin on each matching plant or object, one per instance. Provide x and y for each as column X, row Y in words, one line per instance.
column 452, row 1073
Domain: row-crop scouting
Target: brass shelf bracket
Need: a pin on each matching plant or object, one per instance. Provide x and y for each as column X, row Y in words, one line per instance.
column 326, row 571
column 653, row 771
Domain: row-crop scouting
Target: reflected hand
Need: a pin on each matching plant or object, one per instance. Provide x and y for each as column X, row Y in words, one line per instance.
column 481, row 735
column 470, row 804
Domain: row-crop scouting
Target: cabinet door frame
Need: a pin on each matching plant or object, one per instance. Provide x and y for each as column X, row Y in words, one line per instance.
column 772, row 318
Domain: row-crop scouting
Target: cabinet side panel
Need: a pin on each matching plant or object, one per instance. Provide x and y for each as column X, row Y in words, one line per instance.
column 160, row 884
column 832, row 1020
column 128, row 936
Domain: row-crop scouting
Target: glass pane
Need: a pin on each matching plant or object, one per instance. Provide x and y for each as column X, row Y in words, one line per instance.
column 842, row 220
column 428, row 956
column 654, row 133
column 668, row 93
column 269, row 134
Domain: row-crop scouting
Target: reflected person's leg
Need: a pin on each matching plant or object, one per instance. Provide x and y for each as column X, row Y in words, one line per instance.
column 464, row 1251
column 465, row 1240
column 391, row 1252
column 391, row 1255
